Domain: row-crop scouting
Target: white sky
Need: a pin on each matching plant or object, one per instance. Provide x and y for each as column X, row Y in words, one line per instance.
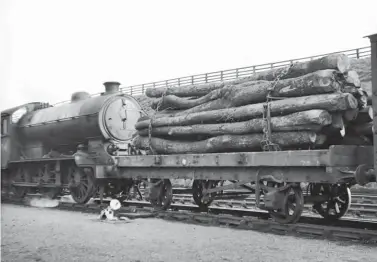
column 50, row 49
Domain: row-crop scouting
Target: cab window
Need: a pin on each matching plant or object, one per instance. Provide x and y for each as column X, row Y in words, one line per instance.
column 4, row 126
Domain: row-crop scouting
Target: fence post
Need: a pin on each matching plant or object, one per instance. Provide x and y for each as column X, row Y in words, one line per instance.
column 167, row 83
column 236, row 72
column 142, row 88
column 192, row 80
column 272, row 65
column 206, row 77
column 357, row 53
column 179, row 81
column 131, row 90
column 254, row 69
column 221, row 76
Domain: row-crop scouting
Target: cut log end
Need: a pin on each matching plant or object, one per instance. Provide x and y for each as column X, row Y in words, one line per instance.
column 364, row 115
column 320, row 139
column 343, row 131
column 352, row 102
column 353, row 78
column 313, row 137
column 337, row 121
column 370, row 112
column 343, row 63
column 350, row 115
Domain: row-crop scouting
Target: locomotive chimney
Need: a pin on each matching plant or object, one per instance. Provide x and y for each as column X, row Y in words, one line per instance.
column 111, row 87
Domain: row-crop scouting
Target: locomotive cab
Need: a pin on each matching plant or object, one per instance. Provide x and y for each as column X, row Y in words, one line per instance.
column 5, row 141
column 10, row 146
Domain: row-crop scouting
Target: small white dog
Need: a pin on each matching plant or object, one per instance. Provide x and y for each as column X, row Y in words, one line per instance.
column 108, row 213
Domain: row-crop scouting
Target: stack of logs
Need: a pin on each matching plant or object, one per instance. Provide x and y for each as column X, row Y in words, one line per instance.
column 314, row 104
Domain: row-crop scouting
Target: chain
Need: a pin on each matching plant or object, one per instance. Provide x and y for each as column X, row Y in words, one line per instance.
column 266, row 143
column 150, row 122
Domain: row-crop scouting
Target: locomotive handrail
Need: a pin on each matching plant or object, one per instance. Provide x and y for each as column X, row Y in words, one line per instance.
column 229, row 74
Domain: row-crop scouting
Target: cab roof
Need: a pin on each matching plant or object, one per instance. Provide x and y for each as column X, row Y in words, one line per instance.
column 13, row 109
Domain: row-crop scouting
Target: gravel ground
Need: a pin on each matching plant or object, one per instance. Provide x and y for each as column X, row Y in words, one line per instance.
column 36, row 234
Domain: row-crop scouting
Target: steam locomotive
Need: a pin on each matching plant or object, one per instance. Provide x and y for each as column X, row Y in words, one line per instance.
column 49, row 149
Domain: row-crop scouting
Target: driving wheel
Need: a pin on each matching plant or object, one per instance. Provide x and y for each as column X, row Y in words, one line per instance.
column 82, row 184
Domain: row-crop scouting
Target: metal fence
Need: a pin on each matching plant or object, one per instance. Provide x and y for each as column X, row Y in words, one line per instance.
column 231, row 74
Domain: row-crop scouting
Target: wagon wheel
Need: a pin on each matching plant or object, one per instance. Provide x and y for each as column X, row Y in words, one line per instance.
column 82, row 184
column 293, row 207
column 161, row 195
column 197, row 192
column 338, row 203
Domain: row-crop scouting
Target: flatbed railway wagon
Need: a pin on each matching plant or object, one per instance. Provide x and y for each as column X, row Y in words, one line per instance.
column 90, row 153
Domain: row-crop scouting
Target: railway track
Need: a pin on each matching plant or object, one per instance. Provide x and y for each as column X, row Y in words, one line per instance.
column 310, row 225
column 364, row 203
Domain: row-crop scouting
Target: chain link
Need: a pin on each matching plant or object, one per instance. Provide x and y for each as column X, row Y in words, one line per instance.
column 152, row 118
column 266, row 143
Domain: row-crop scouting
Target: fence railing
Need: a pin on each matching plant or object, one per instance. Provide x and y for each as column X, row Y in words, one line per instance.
column 231, row 74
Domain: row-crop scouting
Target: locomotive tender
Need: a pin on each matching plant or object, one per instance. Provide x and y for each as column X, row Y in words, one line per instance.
column 85, row 146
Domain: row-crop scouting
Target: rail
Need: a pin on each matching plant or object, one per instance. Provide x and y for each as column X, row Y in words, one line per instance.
column 230, row 74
